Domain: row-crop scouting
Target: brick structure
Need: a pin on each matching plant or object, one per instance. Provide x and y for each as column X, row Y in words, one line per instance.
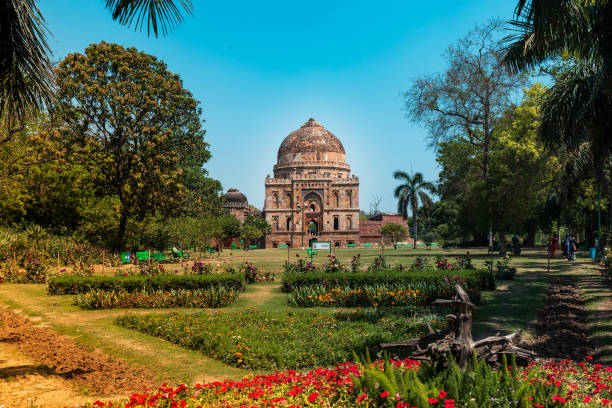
column 237, row 204
column 312, row 195
column 370, row 229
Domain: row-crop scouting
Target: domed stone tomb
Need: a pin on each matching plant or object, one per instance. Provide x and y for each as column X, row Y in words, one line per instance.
column 312, row 195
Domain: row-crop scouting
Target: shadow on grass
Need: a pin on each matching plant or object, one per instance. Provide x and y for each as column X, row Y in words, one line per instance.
column 513, row 306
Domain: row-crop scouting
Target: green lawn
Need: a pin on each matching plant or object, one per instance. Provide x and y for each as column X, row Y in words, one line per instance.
column 514, row 305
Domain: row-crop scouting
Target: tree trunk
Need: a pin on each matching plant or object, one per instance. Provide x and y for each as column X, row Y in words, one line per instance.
column 414, row 222
column 121, row 230
column 501, row 237
column 457, row 340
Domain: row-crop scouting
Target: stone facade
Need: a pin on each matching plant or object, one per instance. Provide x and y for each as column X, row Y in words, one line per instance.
column 237, row 204
column 370, row 229
column 312, row 195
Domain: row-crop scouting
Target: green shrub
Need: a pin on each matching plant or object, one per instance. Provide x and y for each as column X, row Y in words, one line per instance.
column 480, row 279
column 75, row 284
column 288, row 339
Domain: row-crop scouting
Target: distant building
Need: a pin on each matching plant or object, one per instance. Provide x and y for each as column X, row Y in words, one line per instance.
column 369, row 231
column 237, row 204
column 313, row 195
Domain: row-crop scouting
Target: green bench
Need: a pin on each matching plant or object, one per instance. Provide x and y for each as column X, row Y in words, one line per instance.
column 367, row 245
column 350, row 245
column 283, row 246
column 253, row 246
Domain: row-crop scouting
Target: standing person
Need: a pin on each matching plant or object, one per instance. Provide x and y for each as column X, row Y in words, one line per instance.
column 552, row 245
column 569, row 247
column 573, row 248
column 516, row 246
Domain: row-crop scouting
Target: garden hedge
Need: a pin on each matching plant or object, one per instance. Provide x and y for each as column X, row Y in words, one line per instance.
column 479, row 278
column 65, row 285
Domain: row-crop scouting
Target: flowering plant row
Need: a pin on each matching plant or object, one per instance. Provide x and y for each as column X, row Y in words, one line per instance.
column 478, row 279
column 289, row 339
column 74, row 284
column 417, row 294
column 397, row 384
column 109, row 299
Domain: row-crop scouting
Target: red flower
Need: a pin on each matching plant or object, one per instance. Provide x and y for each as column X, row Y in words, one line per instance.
column 384, row 394
column 362, row 397
column 605, row 401
column 313, row 397
column 449, row 403
column 432, row 400
column 442, row 394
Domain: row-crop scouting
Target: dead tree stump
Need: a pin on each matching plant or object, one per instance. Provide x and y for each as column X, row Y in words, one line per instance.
column 456, row 339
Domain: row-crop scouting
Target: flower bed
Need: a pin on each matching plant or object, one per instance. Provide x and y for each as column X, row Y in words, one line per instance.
column 293, row 339
column 410, row 294
column 564, row 384
column 480, row 279
column 109, row 299
column 75, row 284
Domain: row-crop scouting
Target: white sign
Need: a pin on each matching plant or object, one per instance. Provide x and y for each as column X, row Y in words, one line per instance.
column 320, row 246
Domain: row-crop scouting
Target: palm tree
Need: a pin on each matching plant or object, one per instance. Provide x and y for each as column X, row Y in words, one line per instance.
column 410, row 193
column 546, row 29
column 26, row 76
column 576, row 109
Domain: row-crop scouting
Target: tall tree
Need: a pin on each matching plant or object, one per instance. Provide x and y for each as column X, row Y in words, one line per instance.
column 466, row 101
column 410, row 193
column 135, row 125
column 26, row 77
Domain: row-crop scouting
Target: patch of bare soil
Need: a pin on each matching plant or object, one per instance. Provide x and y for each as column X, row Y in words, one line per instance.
column 562, row 330
column 90, row 370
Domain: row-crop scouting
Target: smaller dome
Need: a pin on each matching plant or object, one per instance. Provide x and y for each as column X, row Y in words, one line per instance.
column 235, row 196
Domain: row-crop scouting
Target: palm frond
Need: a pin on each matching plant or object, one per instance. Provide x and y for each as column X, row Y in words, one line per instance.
column 576, row 108
column 26, row 78
column 160, row 15
column 401, row 175
column 543, row 29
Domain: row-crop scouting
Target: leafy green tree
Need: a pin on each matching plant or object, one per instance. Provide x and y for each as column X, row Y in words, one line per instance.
column 133, row 125
column 469, row 97
column 410, row 193
column 222, row 228
column 576, row 120
column 250, row 233
column 258, row 222
column 522, row 171
column 26, row 77
column 394, row 232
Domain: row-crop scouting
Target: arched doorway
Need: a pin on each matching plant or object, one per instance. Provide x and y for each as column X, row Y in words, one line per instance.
column 313, row 227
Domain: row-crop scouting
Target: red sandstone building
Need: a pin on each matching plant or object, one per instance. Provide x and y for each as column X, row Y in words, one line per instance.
column 312, row 195
column 369, row 231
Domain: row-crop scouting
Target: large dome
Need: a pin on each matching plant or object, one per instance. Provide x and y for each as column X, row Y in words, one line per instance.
column 311, row 143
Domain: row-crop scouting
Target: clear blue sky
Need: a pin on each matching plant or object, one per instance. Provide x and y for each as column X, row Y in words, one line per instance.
column 260, row 69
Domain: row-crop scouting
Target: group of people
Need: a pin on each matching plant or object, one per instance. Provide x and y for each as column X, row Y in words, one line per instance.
column 568, row 245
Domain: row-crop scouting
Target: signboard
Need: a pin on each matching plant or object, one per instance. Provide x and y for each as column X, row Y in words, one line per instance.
column 321, row 246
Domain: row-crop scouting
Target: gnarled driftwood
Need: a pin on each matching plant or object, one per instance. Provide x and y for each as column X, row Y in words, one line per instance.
column 457, row 339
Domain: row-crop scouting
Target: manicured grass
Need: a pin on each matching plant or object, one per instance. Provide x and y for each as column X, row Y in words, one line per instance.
column 285, row 340
column 514, row 305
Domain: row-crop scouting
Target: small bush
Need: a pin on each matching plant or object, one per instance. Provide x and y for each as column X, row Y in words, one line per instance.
column 65, row 285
